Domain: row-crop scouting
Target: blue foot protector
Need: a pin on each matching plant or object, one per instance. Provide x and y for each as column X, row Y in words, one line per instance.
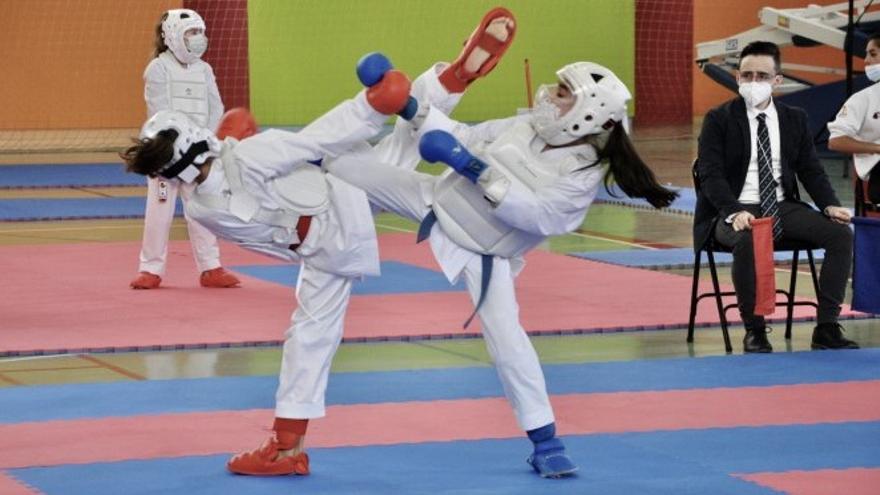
column 549, row 459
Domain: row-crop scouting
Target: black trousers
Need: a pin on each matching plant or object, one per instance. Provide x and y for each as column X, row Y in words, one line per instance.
column 800, row 223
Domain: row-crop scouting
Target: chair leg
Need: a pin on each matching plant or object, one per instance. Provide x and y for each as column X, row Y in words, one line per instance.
column 716, row 286
column 813, row 271
column 698, row 257
column 789, row 309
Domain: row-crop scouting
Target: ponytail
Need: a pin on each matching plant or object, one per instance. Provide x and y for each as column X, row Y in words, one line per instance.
column 630, row 172
column 159, row 45
column 147, row 156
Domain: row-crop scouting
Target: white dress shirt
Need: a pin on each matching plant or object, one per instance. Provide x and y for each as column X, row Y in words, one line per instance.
column 750, row 194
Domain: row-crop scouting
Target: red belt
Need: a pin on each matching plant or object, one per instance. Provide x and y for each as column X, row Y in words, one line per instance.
column 302, row 230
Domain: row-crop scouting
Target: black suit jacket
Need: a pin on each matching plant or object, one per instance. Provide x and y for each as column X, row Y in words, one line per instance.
column 723, row 160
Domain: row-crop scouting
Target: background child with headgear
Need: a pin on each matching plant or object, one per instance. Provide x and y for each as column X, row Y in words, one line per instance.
column 178, row 79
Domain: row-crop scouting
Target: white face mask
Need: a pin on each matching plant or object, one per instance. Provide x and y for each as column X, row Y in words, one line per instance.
column 197, row 44
column 873, row 72
column 755, row 93
column 545, row 117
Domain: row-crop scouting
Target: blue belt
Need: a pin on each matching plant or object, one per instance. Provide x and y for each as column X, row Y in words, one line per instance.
column 485, row 276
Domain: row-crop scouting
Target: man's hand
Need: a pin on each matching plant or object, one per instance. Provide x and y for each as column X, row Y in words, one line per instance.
column 743, row 221
column 838, row 214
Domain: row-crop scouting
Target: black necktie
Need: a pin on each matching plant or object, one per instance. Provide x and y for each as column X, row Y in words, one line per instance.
column 766, row 183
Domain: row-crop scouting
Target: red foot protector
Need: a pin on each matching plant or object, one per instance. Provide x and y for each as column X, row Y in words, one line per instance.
column 455, row 78
column 265, row 460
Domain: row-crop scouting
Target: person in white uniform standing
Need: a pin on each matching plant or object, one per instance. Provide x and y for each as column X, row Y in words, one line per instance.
column 856, row 130
column 177, row 79
column 269, row 194
column 528, row 177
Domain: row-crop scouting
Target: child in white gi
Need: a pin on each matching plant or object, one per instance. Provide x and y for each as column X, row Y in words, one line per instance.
column 267, row 193
column 177, row 79
column 530, row 177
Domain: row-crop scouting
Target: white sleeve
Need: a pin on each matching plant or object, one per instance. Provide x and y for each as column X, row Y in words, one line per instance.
column 850, row 118
column 555, row 209
column 469, row 135
column 215, row 103
column 156, row 88
column 275, row 152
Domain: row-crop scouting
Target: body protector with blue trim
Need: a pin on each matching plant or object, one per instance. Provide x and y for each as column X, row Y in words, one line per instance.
column 600, row 102
column 465, row 214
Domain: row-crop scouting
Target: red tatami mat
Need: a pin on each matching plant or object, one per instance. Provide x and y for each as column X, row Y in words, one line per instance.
column 854, row 481
column 11, row 486
column 172, row 435
column 69, row 298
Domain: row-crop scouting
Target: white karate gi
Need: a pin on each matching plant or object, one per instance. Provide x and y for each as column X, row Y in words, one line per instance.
column 340, row 245
column 205, row 107
column 859, row 118
column 556, row 209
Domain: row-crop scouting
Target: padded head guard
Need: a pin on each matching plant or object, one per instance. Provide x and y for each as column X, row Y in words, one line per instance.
column 192, row 146
column 600, row 102
column 176, row 23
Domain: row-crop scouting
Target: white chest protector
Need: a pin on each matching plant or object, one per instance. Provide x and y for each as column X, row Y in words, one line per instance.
column 302, row 192
column 187, row 88
column 466, row 216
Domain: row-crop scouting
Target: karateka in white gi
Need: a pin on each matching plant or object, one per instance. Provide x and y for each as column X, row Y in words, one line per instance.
column 524, row 178
column 178, row 79
column 268, row 193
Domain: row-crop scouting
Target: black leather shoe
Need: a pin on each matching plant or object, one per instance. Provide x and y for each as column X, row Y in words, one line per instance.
column 830, row 336
column 756, row 341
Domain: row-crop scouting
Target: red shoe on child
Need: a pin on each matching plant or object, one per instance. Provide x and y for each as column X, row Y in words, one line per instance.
column 218, row 278
column 146, row 280
column 270, row 458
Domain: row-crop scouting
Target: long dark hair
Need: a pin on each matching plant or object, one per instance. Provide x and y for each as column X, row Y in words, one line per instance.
column 159, row 45
column 147, row 156
column 630, row 172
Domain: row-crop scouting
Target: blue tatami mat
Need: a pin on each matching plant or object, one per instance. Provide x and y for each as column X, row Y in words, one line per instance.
column 397, row 278
column 27, row 209
column 65, row 402
column 674, row 258
column 79, row 175
column 681, row 462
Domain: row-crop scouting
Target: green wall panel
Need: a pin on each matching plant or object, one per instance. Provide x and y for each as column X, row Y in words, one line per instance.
column 303, row 52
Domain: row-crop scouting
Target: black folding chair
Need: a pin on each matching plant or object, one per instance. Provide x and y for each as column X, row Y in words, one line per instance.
column 711, row 247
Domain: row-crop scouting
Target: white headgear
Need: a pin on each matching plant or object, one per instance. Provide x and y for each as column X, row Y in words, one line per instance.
column 192, row 147
column 176, row 23
column 600, row 102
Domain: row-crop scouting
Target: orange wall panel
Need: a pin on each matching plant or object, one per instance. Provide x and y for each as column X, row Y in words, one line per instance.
column 716, row 19
column 76, row 64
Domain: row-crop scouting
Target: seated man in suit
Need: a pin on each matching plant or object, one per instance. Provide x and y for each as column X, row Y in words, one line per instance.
column 752, row 151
